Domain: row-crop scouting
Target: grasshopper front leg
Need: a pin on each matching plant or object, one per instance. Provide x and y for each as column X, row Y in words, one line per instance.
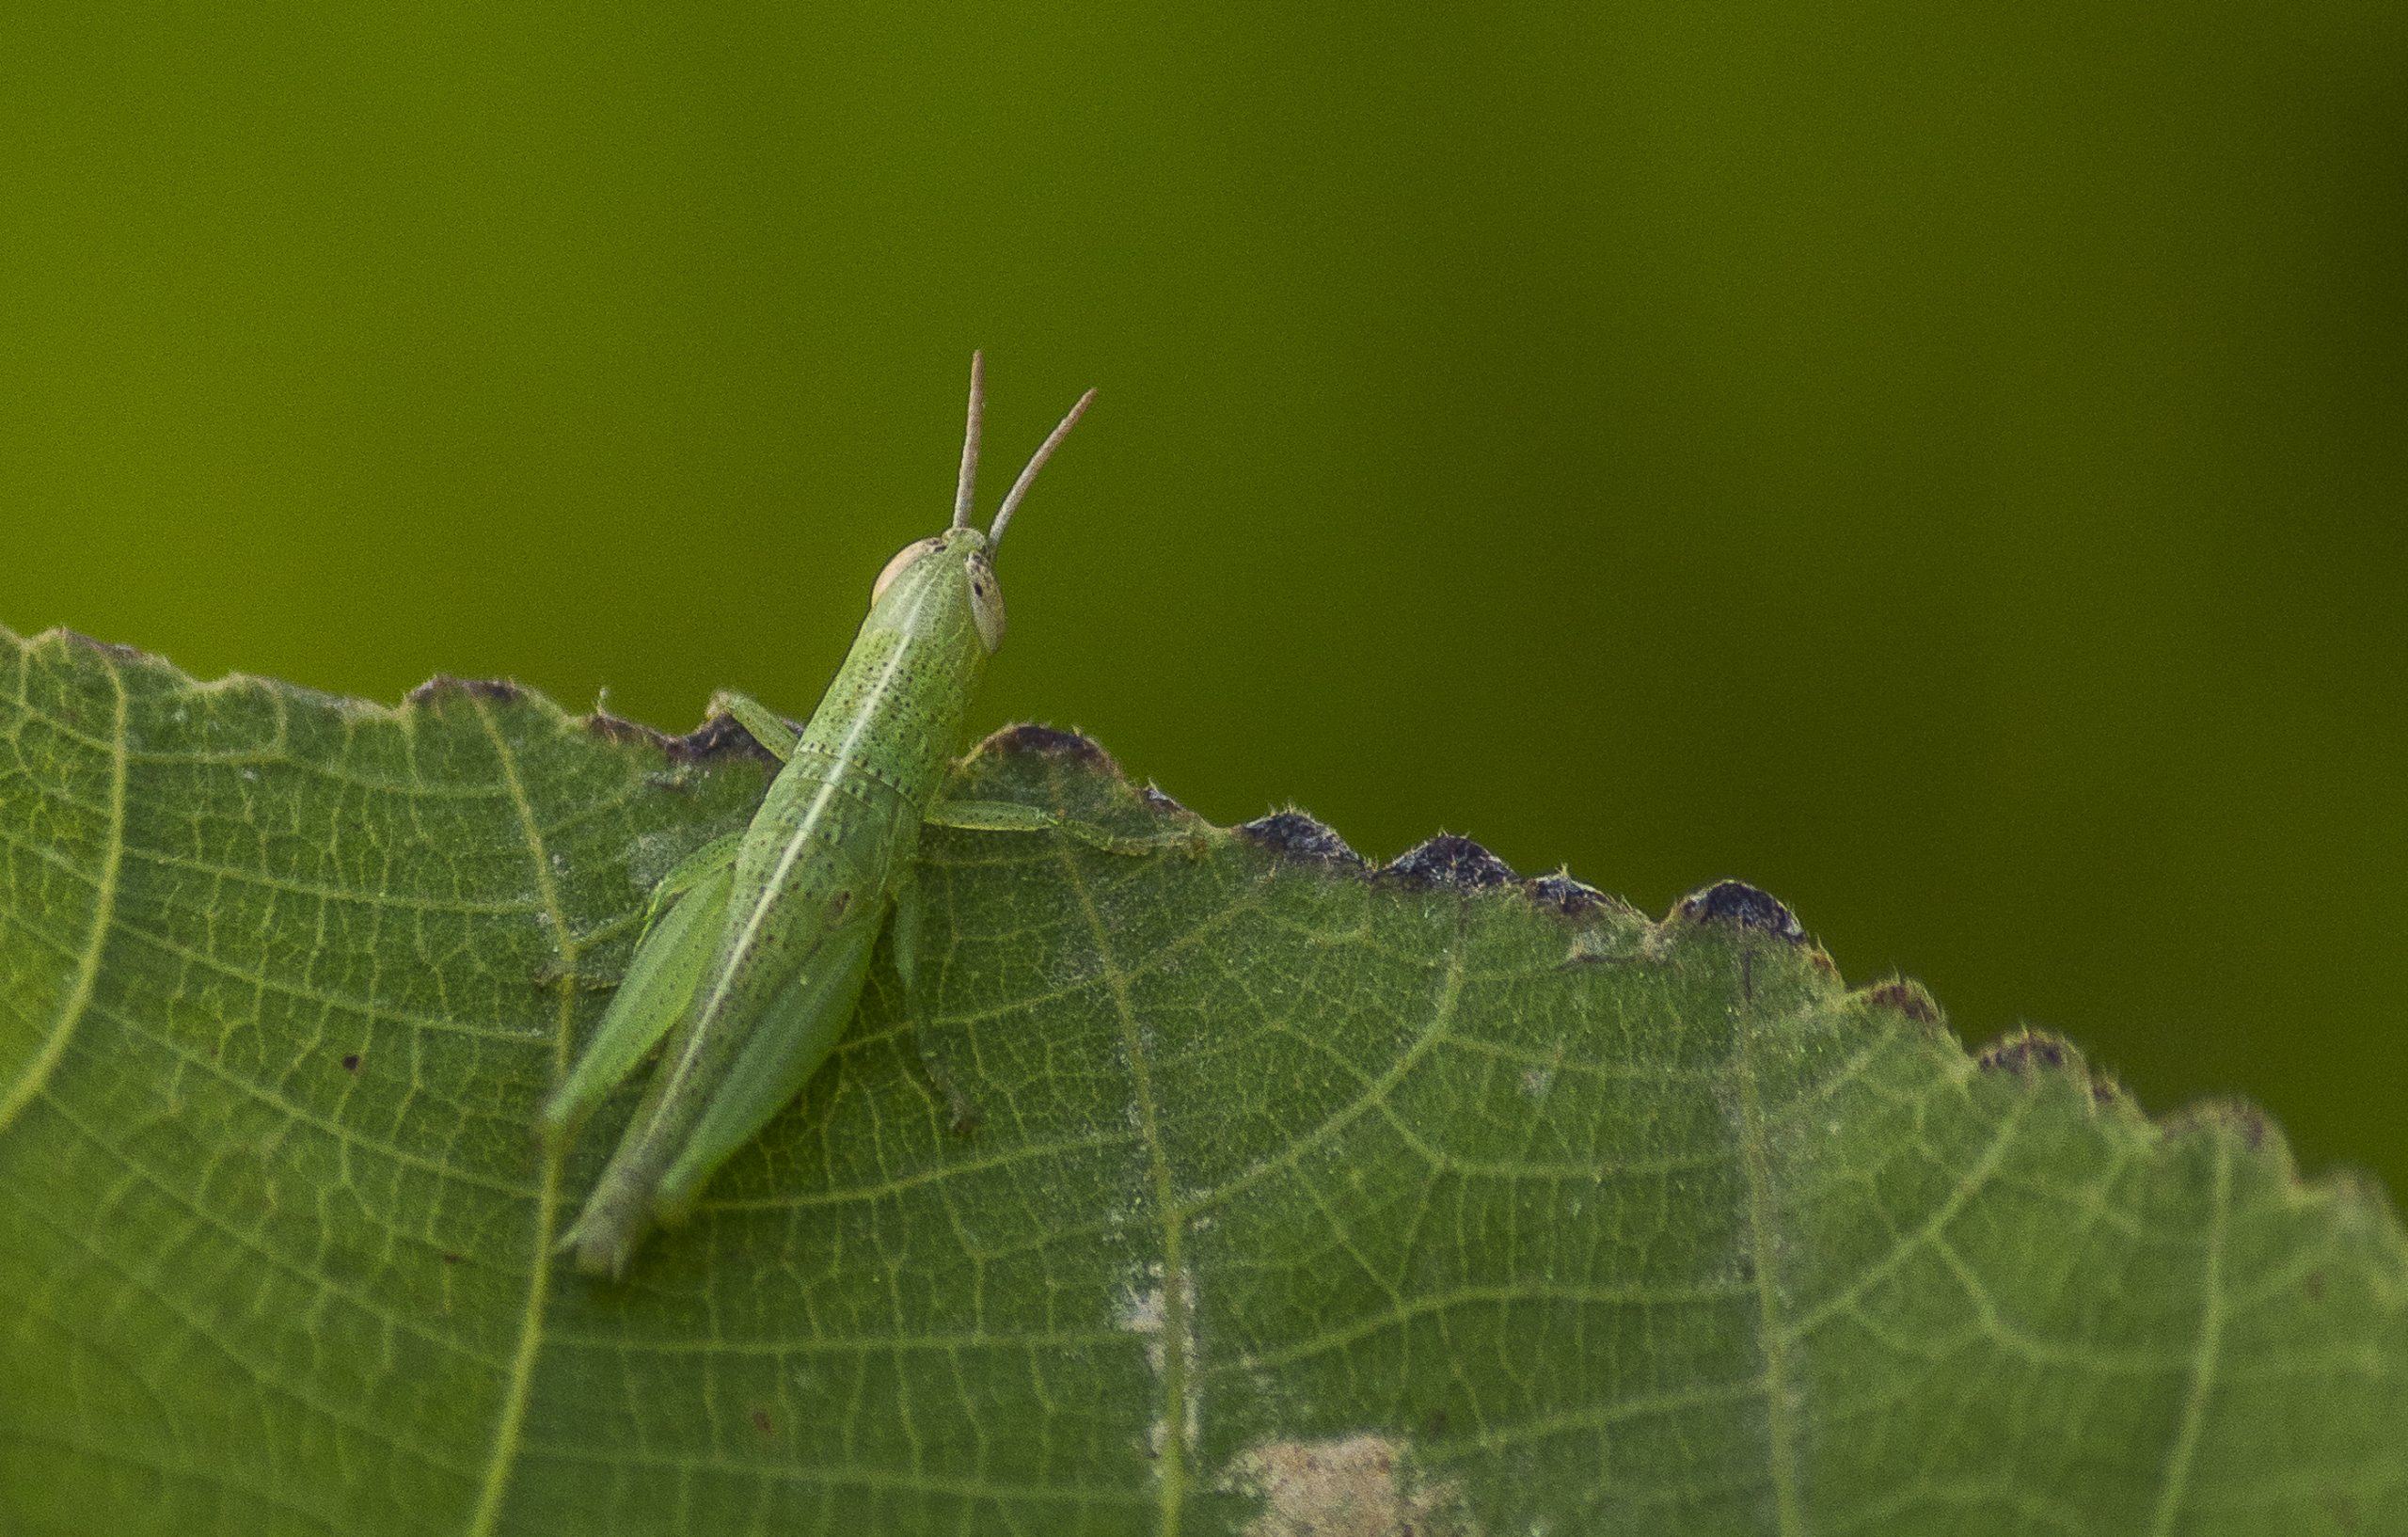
column 762, row 722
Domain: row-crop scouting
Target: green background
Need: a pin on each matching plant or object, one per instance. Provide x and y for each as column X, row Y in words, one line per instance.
column 1944, row 466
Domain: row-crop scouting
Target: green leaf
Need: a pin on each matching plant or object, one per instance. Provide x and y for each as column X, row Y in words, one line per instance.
column 1240, row 1189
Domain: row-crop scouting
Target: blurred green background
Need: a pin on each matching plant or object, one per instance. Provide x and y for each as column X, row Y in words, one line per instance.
column 1942, row 464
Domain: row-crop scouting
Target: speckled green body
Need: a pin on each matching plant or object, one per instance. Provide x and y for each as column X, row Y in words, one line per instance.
column 812, row 884
column 755, row 947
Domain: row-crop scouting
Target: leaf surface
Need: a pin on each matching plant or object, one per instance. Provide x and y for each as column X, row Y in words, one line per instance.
column 1237, row 1188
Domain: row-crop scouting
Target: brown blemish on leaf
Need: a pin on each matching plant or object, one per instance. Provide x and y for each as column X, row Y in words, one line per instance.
column 1737, row 903
column 1296, row 834
column 1355, row 1487
column 351, row 1061
column 493, row 690
column 2026, row 1053
column 1905, row 996
column 2029, row 1053
column 1050, row 743
column 762, row 1425
column 720, row 736
column 1448, row 860
column 614, row 728
column 1160, row 804
column 1570, row 898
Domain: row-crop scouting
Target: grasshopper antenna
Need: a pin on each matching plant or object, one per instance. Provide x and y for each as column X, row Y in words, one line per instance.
column 1036, row 463
column 967, row 487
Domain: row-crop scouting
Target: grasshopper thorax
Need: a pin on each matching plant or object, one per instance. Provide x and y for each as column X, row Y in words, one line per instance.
column 961, row 548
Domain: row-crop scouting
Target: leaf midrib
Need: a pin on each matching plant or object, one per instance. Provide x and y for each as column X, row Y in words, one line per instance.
column 502, row 1461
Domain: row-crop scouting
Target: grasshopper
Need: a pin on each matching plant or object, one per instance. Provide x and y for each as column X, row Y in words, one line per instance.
column 755, row 947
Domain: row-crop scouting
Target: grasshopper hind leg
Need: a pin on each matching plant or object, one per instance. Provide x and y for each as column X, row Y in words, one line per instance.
column 795, row 1038
column 615, row 1219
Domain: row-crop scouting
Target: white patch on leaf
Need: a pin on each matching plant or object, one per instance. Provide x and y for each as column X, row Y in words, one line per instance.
column 1145, row 1311
column 1352, row 1486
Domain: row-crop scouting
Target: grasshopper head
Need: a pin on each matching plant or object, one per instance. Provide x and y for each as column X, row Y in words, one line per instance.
column 962, row 545
column 960, row 558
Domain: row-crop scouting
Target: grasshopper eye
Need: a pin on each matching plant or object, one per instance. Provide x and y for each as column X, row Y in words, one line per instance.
column 986, row 602
column 903, row 557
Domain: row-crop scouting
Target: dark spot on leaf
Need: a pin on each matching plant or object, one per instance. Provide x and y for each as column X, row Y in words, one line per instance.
column 1907, row 997
column 837, row 905
column 761, row 1423
column 1736, row 902
column 350, row 1062
column 1436, row 1426
column 613, row 728
column 719, row 737
column 2029, row 1053
column 1050, row 743
column 449, row 1257
column 1448, row 860
column 1573, row 898
column 497, row 690
column 2313, row 1286
column 1293, row 834
column 2026, row 1053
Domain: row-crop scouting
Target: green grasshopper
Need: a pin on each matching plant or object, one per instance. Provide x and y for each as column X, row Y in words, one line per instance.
column 755, row 947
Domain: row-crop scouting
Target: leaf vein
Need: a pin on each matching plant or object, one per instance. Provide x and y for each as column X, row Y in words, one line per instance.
column 2174, row 1487
column 79, row 998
